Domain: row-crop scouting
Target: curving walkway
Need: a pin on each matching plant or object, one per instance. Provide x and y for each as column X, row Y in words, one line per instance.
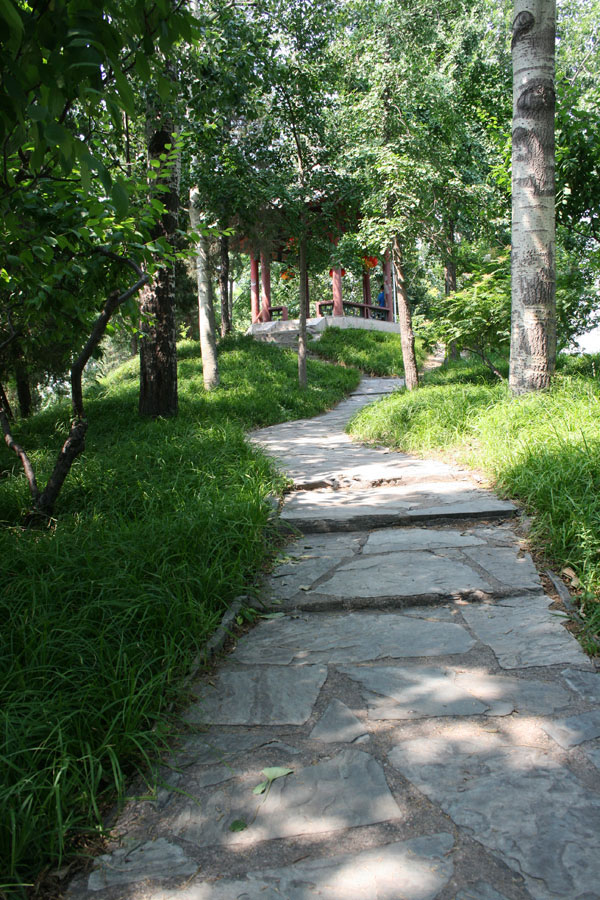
column 439, row 727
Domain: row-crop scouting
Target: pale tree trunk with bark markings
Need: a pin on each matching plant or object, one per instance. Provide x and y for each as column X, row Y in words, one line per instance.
column 407, row 337
column 533, row 324
column 302, row 374
column 206, row 313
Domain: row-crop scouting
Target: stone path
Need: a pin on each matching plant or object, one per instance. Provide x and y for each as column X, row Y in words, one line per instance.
column 439, row 726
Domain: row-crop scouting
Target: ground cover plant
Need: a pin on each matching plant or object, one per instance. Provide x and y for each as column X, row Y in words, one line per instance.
column 373, row 352
column 541, row 448
column 161, row 524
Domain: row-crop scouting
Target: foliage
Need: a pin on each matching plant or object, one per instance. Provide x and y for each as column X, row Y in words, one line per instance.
column 373, row 352
column 161, row 527
column 72, row 202
column 542, row 449
column 477, row 317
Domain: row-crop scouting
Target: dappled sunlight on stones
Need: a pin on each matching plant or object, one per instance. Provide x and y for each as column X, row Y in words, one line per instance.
column 424, row 691
column 523, row 632
column 346, row 791
column 411, row 870
column 259, row 697
column 519, row 801
column 324, row 510
column 137, row 860
column 351, row 637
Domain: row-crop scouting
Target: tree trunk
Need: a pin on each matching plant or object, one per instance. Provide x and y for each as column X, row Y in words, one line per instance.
column 158, row 348
column 533, row 324
column 224, row 285
column 302, row 375
column 407, row 336
column 231, row 302
column 450, row 282
column 23, row 387
column 206, row 315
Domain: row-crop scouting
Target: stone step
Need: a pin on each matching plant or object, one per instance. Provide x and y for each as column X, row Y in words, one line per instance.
column 426, row 503
column 394, row 568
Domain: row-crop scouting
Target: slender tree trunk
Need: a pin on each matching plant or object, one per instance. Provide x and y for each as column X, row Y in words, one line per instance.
column 206, row 315
column 231, row 302
column 23, row 387
column 533, row 325
column 302, row 375
column 407, row 336
column 450, row 281
column 224, row 285
column 158, row 347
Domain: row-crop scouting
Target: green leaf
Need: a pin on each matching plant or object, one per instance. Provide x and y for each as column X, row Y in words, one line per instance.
column 11, row 17
column 120, row 198
column 276, row 772
column 261, row 788
column 238, row 825
column 125, row 92
column 271, row 774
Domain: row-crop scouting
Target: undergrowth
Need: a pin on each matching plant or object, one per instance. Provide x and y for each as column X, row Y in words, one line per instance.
column 373, row 352
column 159, row 527
column 542, row 449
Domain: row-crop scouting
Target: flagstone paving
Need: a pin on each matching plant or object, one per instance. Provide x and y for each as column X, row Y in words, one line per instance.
column 430, row 728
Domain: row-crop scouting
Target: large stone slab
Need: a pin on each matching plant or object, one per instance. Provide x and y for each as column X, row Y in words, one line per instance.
column 479, row 891
column 412, row 575
column 418, row 868
column 517, row 801
column 338, row 723
column 586, row 684
column 574, row 730
column 349, row 637
column 413, row 693
column 343, row 510
column 509, row 566
column 398, row 540
column 137, row 861
column 394, row 692
column 288, row 579
column 346, row 791
column 264, row 695
column 524, row 632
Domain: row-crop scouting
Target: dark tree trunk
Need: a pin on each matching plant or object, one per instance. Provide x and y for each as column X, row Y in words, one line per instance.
column 43, row 502
column 231, row 302
column 302, row 375
column 158, row 350
column 407, row 336
column 224, row 285
column 23, row 388
column 5, row 405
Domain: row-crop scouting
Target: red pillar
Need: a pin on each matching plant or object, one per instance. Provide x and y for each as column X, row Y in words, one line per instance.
column 336, row 279
column 254, row 288
column 366, row 288
column 265, row 294
column 388, row 288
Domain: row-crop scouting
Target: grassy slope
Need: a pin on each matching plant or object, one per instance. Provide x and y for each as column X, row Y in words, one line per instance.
column 374, row 352
column 160, row 527
column 543, row 449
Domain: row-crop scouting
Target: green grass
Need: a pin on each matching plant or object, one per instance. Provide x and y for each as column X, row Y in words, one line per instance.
column 373, row 352
column 541, row 448
column 159, row 527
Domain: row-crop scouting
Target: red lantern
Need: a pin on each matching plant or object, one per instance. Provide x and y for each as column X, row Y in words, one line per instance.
column 342, row 272
column 370, row 262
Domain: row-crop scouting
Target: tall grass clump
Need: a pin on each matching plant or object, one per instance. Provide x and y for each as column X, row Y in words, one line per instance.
column 159, row 527
column 542, row 449
column 373, row 352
